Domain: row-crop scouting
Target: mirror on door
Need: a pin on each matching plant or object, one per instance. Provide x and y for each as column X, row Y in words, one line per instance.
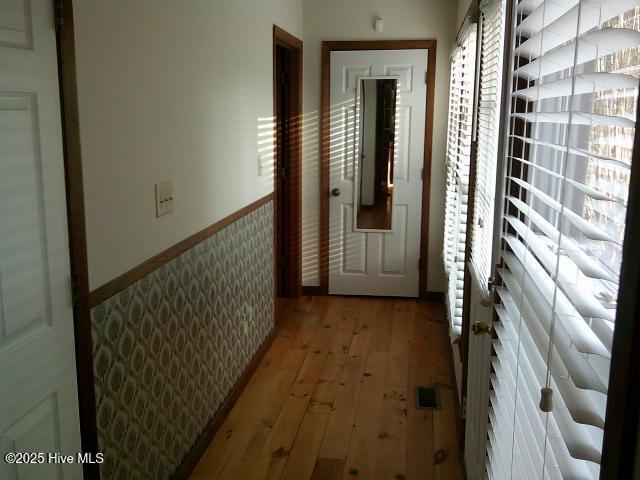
column 374, row 180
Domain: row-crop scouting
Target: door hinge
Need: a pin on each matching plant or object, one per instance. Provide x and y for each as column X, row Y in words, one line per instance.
column 420, row 264
column 463, row 408
column 426, row 78
column 75, row 290
column 58, row 15
column 422, row 174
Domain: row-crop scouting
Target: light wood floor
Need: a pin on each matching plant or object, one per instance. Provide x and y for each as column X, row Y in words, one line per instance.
column 333, row 397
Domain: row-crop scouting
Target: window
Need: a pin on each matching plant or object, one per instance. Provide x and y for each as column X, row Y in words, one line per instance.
column 492, row 17
column 458, row 162
column 571, row 124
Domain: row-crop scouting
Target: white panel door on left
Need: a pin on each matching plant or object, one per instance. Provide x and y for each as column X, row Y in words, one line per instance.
column 38, row 389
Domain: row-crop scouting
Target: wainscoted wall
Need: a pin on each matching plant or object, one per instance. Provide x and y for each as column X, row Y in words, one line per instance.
column 169, row 348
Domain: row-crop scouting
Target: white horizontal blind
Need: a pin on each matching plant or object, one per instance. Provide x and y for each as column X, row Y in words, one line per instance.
column 458, row 155
column 452, row 157
column 492, row 17
column 568, row 157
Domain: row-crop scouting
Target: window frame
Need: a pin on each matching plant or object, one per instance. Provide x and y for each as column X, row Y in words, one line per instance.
column 621, row 431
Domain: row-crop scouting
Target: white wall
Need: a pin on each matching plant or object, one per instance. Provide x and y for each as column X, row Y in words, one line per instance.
column 353, row 20
column 172, row 90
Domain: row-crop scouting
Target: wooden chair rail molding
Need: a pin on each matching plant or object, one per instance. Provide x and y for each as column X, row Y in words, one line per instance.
column 118, row 284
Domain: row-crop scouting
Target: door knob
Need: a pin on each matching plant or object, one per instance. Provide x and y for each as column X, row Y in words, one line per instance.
column 336, row 192
column 479, row 328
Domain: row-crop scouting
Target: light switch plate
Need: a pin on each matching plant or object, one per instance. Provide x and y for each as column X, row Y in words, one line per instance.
column 164, row 198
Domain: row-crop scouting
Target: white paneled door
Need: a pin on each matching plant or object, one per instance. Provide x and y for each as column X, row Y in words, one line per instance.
column 375, row 263
column 38, row 390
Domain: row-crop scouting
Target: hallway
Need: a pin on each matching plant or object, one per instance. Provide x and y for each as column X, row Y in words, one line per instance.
column 334, row 397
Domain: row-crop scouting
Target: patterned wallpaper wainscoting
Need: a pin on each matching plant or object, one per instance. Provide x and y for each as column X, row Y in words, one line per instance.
column 169, row 348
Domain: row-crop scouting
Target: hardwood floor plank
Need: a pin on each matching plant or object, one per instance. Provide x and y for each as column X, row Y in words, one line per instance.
column 402, row 325
column 322, row 368
column 381, row 326
column 271, row 460
column 391, row 439
column 444, row 420
column 439, row 356
column 420, row 442
column 327, row 328
column 301, row 320
column 326, row 389
column 445, row 438
column 248, row 422
column 364, row 444
column 366, row 309
column 219, row 452
column 276, row 357
column 292, row 315
column 256, row 410
column 328, row 469
column 304, row 453
column 422, row 320
column 334, row 397
column 335, row 443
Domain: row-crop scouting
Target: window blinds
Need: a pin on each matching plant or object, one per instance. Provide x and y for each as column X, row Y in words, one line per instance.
column 492, row 17
column 571, row 121
column 458, row 155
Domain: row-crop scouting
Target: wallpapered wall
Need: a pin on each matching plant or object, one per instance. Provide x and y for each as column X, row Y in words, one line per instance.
column 169, row 348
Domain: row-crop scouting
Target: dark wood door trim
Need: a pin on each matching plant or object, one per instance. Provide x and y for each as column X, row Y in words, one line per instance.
column 622, row 421
column 77, row 236
column 327, row 48
column 288, row 199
